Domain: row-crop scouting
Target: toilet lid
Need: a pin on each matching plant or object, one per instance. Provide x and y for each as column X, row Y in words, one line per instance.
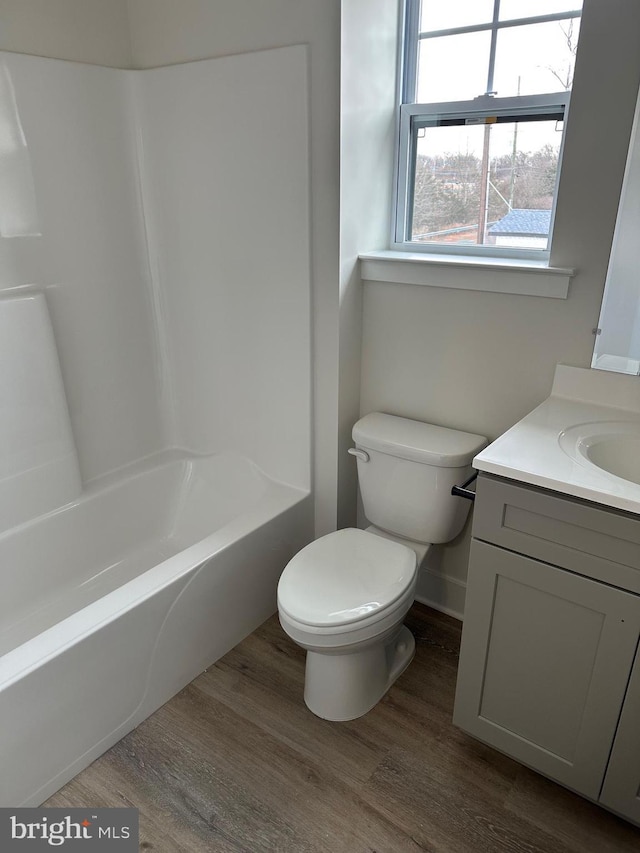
column 345, row 576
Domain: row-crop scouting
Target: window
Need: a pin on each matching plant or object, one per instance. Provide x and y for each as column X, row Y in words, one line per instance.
column 485, row 90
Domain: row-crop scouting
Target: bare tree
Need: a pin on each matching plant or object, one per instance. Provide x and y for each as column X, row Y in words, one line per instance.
column 564, row 76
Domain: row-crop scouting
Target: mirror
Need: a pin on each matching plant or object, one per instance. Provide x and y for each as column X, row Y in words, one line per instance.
column 617, row 345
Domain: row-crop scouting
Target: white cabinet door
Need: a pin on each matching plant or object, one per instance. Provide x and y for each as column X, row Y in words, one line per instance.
column 621, row 790
column 544, row 664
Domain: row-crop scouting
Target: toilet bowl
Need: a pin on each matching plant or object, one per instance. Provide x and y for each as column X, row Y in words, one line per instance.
column 343, row 598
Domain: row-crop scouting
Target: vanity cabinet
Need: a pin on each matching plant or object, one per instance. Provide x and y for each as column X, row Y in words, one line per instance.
column 621, row 789
column 549, row 665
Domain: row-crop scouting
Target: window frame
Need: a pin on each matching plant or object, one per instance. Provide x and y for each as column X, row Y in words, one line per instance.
column 485, row 105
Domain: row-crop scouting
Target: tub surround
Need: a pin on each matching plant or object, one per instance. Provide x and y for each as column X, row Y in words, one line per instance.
column 184, row 387
column 130, row 200
column 38, row 462
column 226, row 201
column 72, row 227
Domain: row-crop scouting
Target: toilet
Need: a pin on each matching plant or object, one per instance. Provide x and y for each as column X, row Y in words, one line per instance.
column 343, row 598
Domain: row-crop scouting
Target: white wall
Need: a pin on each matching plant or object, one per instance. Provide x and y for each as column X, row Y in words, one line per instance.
column 95, row 31
column 165, row 32
column 479, row 361
column 224, row 151
column 367, row 135
column 79, row 237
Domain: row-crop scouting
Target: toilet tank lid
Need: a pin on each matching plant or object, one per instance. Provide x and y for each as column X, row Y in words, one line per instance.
column 417, row 441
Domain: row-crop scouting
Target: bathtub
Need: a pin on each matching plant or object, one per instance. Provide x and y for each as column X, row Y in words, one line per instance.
column 113, row 603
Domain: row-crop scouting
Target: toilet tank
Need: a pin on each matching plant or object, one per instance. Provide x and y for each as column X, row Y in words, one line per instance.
column 406, row 481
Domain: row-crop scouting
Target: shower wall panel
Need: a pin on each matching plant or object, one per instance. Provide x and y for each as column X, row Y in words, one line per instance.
column 71, row 225
column 165, row 215
column 224, row 155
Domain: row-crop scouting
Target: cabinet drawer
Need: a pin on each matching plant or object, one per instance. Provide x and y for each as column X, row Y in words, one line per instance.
column 593, row 541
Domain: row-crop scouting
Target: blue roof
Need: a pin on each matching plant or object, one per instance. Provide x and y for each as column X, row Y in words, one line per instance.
column 533, row 223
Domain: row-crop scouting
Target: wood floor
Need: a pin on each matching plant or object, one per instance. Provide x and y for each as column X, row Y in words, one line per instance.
column 235, row 762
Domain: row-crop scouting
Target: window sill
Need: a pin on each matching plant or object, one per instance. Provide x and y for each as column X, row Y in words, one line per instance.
column 464, row 272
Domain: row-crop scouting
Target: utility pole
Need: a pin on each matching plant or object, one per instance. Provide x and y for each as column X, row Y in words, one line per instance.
column 483, row 213
column 514, row 152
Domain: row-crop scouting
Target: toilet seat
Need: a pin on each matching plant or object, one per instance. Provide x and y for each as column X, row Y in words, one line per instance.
column 345, row 582
column 339, row 637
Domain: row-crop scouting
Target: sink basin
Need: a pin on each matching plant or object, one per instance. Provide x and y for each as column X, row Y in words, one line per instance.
column 619, row 455
column 611, row 446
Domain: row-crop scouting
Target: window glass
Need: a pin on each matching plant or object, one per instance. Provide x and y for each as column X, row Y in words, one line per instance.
column 535, row 59
column 453, row 68
column 528, row 8
column 487, row 184
column 444, row 14
column 479, row 167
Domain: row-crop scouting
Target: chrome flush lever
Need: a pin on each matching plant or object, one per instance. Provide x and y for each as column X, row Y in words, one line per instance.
column 362, row 455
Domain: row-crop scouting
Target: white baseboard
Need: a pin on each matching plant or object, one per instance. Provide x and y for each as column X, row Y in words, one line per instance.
column 441, row 592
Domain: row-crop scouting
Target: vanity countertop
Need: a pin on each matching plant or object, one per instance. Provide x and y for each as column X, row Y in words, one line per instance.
column 543, row 448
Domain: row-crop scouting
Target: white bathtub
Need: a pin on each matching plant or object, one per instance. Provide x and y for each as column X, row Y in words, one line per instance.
column 113, row 603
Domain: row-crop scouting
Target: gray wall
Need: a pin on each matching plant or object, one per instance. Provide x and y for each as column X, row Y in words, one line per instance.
column 95, row 31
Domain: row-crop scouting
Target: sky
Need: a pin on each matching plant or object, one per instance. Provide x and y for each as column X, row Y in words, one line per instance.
column 452, row 68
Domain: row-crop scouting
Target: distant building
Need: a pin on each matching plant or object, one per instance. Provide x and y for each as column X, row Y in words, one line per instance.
column 527, row 229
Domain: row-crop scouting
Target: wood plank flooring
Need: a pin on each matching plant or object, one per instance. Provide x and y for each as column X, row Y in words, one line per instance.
column 235, row 762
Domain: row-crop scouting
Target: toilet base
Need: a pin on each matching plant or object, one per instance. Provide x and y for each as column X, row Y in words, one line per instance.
column 344, row 686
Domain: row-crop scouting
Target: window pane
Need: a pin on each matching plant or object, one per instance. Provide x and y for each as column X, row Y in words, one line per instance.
column 443, row 14
column 536, row 59
column 509, row 206
column 453, row 68
column 529, row 8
